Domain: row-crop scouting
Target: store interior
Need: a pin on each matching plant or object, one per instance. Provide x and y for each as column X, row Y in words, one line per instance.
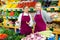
column 10, row 11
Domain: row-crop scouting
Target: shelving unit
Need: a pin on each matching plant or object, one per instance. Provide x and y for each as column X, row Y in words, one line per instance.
column 12, row 17
column 10, row 26
column 56, row 32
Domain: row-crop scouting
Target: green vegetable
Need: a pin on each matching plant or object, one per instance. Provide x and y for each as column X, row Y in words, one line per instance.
column 46, row 33
column 11, row 34
column 21, row 10
column 7, row 13
column 16, row 13
column 31, row 10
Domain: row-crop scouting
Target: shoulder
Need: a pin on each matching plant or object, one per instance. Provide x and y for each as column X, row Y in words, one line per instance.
column 44, row 11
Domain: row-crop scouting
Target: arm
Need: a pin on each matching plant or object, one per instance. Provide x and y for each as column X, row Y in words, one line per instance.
column 31, row 21
column 52, row 15
column 47, row 17
column 19, row 20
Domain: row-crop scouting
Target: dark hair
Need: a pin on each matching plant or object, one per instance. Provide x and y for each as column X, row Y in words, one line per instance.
column 24, row 7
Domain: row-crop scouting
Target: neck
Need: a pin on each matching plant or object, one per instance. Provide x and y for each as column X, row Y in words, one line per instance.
column 39, row 10
column 26, row 12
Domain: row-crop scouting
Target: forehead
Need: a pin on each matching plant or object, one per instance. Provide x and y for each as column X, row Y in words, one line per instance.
column 26, row 7
column 38, row 4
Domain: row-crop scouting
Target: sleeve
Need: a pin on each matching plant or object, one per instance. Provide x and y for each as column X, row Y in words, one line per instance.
column 47, row 17
column 19, row 18
column 31, row 21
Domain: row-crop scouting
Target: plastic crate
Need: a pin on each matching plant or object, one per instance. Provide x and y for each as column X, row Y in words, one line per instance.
column 59, row 38
column 51, row 38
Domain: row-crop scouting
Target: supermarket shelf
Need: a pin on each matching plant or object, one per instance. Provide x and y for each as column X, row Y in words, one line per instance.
column 9, row 26
column 18, row 9
column 52, row 9
column 57, row 31
column 12, row 27
column 56, row 8
column 15, row 28
column 56, row 20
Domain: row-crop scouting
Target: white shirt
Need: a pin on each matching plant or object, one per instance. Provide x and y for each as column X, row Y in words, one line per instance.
column 25, row 14
column 38, row 12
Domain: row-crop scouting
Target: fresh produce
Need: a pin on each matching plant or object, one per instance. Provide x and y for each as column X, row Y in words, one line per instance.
column 3, row 36
column 1, row 16
column 2, row 30
column 31, row 10
column 16, row 0
column 16, row 13
column 8, row 34
column 29, row 4
column 1, row 19
column 11, row 0
column 46, row 33
column 7, row 12
column 15, row 37
column 11, row 13
column 9, row 5
column 20, row 11
column 54, row 25
column 34, row 36
column 14, row 6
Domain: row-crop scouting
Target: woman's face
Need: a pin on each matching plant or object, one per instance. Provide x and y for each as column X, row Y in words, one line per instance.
column 38, row 7
column 26, row 9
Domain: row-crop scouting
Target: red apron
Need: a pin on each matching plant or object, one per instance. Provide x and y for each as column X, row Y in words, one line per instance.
column 25, row 28
column 40, row 24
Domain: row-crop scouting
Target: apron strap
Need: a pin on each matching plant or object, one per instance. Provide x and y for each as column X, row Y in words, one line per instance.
column 23, row 14
column 39, row 12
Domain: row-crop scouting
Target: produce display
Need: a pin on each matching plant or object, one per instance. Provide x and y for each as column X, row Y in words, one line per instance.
column 9, row 13
column 20, row 4
column 35, row 36
column 54, row 25
column 46, row 33
column 59, row 3
column 3, row 36
column 12, row 14
column 52, row 9
column 10, row 5
column 7, row 34
column 40, row 36
column 11, row 35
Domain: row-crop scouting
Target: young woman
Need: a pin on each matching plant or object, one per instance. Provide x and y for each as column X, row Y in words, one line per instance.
column 41, row 18
column 25, row 21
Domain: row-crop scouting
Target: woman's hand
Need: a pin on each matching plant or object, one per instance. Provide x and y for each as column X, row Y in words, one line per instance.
column 27, row 23
column 52, row 16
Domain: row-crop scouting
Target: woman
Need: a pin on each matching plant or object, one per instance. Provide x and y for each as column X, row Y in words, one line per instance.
column 41, row 18
column 26, row 22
